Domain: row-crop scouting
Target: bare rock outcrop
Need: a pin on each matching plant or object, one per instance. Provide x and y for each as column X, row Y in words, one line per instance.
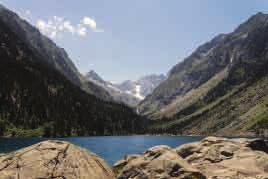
column 158, row 162
column 211, row 158
column 53, row 159
column 221, row 158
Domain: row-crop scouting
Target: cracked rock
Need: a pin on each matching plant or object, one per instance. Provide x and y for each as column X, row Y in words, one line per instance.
column 53, row 159
column 159, row 162
column 221, row 158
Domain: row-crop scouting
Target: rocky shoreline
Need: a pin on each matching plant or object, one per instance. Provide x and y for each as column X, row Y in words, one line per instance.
column 211, row 158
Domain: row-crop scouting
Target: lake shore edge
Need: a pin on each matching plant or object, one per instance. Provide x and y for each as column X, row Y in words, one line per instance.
column 202, row 159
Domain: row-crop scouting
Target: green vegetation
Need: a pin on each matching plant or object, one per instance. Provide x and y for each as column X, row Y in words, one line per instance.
column 39, row 132
column 260, row 121
column 37, row 100
column 200, row 101
column 242, row 110
column 118, row 169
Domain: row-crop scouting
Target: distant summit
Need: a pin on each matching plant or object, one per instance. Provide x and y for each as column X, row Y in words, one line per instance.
column 143, row 86
column 128, row 92
column 93, row 76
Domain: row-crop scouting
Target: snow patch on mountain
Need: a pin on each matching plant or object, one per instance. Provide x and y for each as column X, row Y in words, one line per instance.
column 138, row 92
column 129, row 92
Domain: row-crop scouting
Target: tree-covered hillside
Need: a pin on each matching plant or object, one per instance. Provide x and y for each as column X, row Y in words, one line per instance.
column 36, row 99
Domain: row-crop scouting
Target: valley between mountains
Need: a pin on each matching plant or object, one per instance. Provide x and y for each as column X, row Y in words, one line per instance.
column 220, row 89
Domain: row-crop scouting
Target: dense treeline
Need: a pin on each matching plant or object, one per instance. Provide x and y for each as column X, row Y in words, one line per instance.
column 38, row 100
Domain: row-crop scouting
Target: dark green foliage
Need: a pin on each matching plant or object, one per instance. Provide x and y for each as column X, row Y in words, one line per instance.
column 48, row 52
column 2, row 127
column 37, row 99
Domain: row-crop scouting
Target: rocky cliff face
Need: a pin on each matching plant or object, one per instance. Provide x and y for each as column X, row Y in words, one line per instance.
column 211, row 91
column 211, row 158
column 54, row 159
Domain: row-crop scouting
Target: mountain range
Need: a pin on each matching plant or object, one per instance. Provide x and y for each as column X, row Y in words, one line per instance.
column 128, row 92
column 221, row 88
column 43, row 94
column 51, row 54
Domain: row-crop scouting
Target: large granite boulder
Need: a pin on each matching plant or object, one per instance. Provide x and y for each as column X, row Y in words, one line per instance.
column 211, row 158
column 158, row 162
column 221, row 158
column 53, row 159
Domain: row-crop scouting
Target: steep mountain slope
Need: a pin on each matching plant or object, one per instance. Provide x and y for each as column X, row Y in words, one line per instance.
column 36, row 99
column 127, row 92
column 48, row 51
column 220, row 89
column 189, row 74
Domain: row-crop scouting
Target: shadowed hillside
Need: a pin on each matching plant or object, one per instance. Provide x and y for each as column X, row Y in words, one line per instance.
column 36, row 99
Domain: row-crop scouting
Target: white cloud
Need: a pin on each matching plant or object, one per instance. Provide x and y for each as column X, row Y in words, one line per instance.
column 53, row 34
column 56, row 26
column 82, row 31
column 67, row 26
column 90, row 22
column 41, row 24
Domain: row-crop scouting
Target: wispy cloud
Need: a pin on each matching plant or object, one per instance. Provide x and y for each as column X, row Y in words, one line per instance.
column 57, row 26
column 82, row 31
column 90, row 22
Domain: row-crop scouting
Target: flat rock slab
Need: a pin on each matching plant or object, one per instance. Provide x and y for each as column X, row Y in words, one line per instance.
column 53, row 159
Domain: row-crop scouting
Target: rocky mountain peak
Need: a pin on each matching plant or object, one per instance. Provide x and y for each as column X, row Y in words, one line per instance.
column 92, row 75
column 129, row 92
column 254, row 22
column 143, row 86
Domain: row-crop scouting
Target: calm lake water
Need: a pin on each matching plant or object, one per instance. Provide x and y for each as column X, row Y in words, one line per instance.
column 110, row 148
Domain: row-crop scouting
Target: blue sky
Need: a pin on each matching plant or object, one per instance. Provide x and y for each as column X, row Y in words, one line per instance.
column 126, row 39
